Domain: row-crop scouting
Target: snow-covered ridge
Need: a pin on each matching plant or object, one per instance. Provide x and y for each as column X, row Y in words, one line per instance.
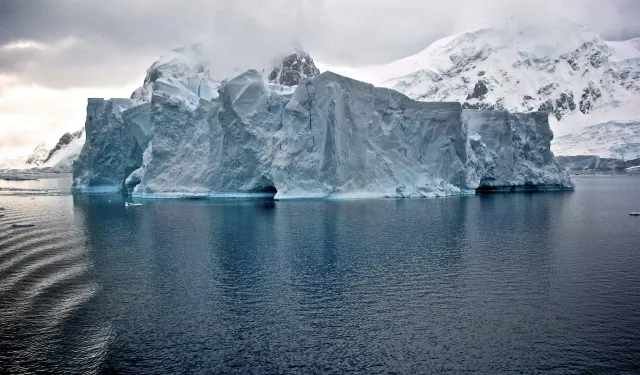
column 58, row 158
column 330, row 136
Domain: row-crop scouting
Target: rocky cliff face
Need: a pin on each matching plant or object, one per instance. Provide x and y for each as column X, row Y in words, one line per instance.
column 293, row 69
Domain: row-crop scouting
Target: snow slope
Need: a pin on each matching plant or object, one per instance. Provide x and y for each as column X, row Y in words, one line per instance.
column 58, row 158
column 595, row 164
column 64, row 153
column 18, row 162
column 566, row 70
column 612, row 139
column 38, row 156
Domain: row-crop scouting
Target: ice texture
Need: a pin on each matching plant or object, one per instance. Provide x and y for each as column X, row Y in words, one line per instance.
column 220, row 146
column 513, row 149
column 110, row 152
column 330, row 137
column 345, row 137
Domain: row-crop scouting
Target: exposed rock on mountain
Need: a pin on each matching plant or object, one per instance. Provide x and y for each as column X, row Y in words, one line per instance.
column 64, row 141
column 38, row 156
column 293, row 69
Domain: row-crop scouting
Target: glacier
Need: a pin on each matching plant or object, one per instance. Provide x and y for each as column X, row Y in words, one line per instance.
column 329, row 136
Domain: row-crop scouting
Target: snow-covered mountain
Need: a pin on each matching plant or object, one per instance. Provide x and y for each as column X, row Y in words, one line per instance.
column 594, row 164
column 613, row 139
column 61, row 157
column 38, row 156
column 13, row 163
column 58, row 158
column 566, row 70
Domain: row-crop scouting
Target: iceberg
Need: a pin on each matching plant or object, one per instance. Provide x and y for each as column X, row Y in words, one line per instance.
column 110, row 152
column 342, row 137
column 328, row 136
column 22, row 225
column 512, row 151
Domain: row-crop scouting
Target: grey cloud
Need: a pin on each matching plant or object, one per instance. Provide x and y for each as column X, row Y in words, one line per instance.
column 114, row 41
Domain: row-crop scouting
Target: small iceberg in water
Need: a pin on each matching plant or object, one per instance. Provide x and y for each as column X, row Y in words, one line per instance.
column 22, row 225
column 128, row 204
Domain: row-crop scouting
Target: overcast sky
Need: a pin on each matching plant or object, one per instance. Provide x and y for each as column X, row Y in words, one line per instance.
column 55, row 54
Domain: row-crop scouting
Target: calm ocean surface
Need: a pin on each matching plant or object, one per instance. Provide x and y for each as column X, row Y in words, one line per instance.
column 493, row 284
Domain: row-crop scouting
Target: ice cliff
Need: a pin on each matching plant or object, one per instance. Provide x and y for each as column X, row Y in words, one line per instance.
column 329, row 136
column 512, row 151
column 110, row 152
column 343, row 137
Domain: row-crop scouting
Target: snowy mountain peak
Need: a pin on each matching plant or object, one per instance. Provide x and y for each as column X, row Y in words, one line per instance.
column 58, row 158
column 63, row 143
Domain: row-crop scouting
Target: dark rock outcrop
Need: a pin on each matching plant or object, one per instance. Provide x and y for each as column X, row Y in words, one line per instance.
column 479, row 91
column 294, row 68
